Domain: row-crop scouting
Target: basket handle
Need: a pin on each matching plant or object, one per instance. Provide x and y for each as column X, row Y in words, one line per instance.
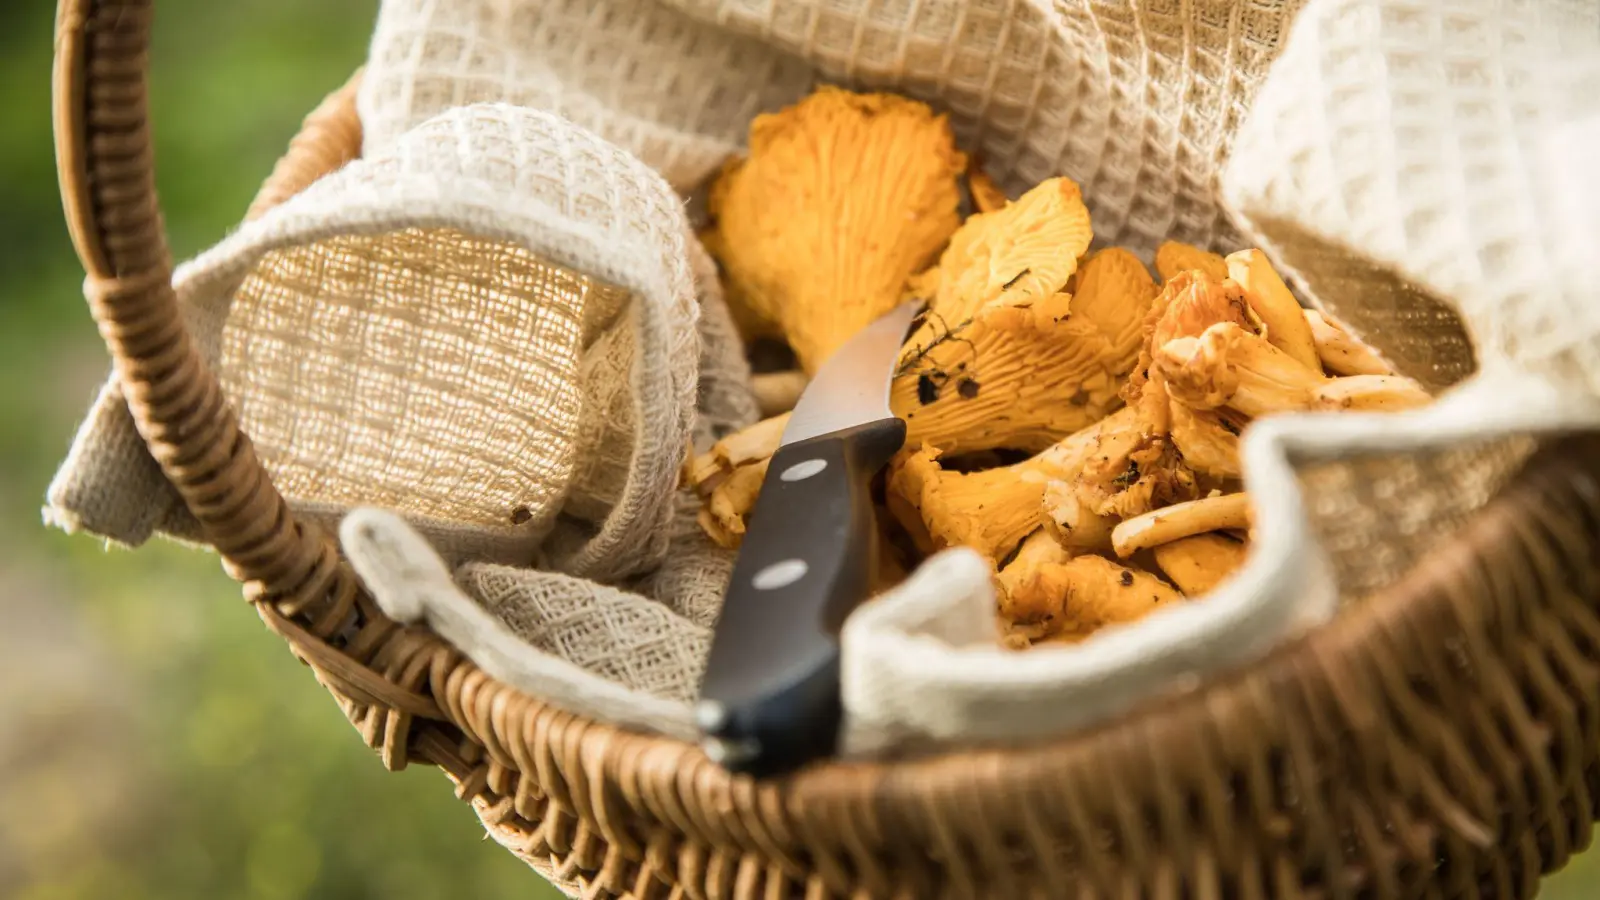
column 105, row 164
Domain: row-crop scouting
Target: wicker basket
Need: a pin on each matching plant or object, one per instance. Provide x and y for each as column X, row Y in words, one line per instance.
column 1441, row 740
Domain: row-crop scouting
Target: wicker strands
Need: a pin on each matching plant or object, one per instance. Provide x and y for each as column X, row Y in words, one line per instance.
column 1441, row 739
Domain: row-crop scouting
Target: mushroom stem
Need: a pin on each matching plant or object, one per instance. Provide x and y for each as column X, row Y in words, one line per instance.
column 1070, row 521
column 1181, row 520
column 1340, row 352
column 1038, row 549
column 724, row 512
column 748, row 445
column 1285, row 320
column 1370, row 393
column 987, row 196
column 1229, row 366
column 1199, row 563
column 778, row 392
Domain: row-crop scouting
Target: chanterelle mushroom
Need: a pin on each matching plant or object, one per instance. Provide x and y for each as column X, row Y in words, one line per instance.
column 1341, row 353
column 1208, row 439
column 1005, row 357
column 1180, row 520
column 1010, row 360
column 723, row 515
column 1082, row 594
column 1173, row 257
column 990, row 511
column 1037, row 550
column 986, row 195
column 1189, row 302
column 841, row 198
column 1140, row 463
column 1283, row 319
column 1229, row 366
column 742, row 448
column 1198, row 563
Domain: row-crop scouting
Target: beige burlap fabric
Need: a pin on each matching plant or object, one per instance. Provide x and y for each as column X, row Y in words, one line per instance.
column 1416, row 166
column 413, row 332
column 632, row 656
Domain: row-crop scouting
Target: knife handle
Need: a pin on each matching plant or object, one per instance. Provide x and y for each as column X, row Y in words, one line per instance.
column 770, row 693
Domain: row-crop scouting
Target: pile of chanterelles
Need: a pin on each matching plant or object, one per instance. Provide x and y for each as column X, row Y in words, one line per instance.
column 1124, row 396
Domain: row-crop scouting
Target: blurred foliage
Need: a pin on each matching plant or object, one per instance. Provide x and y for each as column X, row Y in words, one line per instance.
column 155, row 740
column 164, row 744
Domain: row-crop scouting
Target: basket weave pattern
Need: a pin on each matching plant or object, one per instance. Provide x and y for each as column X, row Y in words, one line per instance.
column 1440, row 740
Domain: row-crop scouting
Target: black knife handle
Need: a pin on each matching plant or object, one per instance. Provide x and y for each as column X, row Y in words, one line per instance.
column 770, row 694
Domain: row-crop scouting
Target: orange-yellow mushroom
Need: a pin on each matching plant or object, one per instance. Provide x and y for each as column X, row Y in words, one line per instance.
column 842, row 197
column 1198, row 563
column 1173, row 257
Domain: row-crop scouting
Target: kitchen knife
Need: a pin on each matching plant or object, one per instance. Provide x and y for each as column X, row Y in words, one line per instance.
column 769, row 699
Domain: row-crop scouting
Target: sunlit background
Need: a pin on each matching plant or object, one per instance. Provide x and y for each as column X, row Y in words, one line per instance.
column 155, row 740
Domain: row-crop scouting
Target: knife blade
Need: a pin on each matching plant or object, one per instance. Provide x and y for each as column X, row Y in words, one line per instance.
column 769, row 698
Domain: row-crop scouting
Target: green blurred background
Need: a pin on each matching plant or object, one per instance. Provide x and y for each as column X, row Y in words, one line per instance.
column 155, row 740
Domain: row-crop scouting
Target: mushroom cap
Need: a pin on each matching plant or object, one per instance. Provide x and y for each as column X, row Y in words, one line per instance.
column 1012, row 381
column 1173, row 257
column 1208, row 439
column 1082, row 594
column 1006, row 357
column 1198, row 563
column 1193, row 301
column 990, row 511
column 1230, row 366
column 842, row 197
column 1020, row 253
column 1115, row 292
